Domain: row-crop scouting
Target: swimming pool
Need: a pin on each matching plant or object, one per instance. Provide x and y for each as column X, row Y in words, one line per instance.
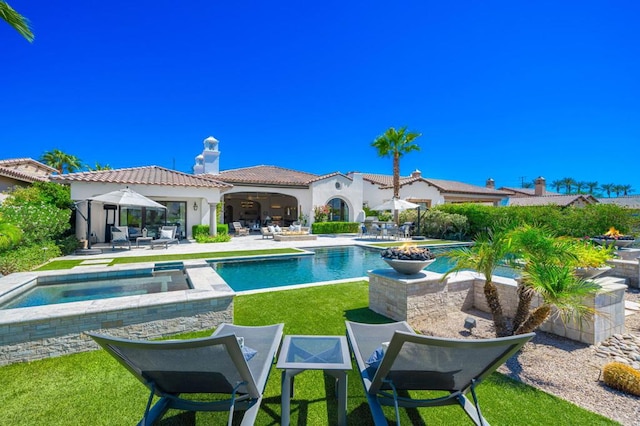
column 327, row 264
column 100, row 287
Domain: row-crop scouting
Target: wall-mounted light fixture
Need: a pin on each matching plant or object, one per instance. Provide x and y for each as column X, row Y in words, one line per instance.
column 195, row 206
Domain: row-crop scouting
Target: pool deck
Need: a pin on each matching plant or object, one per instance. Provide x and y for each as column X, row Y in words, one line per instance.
column 249, row 242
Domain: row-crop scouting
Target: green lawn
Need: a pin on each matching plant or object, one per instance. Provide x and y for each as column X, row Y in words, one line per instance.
column 93, row 389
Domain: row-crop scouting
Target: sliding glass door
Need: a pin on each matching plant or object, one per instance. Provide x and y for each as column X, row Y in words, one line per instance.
column 139, row 218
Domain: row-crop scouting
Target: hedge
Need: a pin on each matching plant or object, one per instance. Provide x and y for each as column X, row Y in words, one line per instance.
column 222, row 228
column 335, row 227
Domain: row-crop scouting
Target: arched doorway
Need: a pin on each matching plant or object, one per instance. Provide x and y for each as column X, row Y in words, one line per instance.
column 339, row 210
column 255, row 209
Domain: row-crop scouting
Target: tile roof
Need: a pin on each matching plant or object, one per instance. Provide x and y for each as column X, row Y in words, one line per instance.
column 526, row 191
column 149, row 175
column 267, row 175
column 631, row 201
column 559, row 200
column 13, row 162
column 386, row 181
column 21, row 175
column 25, row 169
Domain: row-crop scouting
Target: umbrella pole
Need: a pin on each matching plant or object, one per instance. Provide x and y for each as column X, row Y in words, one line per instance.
column 88, row 224
column 418, row 226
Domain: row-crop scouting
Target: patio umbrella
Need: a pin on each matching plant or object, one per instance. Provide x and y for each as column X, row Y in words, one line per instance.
column 127, row 198
column 122, row 197
column 396, row 204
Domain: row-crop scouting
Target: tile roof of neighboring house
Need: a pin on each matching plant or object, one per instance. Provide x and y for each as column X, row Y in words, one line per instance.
column 526, row 191
column 25, row 169
column 631, row 201
column 12, row 162
column 386, row 181
column 267, row 175
column 559, row 200
column 149, row 175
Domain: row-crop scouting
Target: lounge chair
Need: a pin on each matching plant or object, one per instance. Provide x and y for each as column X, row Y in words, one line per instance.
column 416, row 362
column 239, row 229
column 210, row 365
column 167, row 236
column 120, row 237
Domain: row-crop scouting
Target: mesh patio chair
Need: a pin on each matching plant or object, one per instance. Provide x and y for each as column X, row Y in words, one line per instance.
column 211, row 365
column 416, row 362
column 167, row 236
column 120, row 237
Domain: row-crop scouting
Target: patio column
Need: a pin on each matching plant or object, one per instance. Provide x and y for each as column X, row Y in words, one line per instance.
column 213, row 219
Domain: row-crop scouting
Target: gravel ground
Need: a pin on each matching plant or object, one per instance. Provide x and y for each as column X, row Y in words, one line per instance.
column 559, row 366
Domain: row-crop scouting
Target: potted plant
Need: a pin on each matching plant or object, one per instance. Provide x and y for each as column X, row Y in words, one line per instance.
column 590, row 260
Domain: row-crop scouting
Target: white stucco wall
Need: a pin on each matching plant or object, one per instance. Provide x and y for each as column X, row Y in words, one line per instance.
column 350, row 190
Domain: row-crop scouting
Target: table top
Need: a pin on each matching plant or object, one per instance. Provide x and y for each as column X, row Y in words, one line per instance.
column 144, row 238
column 314, row 353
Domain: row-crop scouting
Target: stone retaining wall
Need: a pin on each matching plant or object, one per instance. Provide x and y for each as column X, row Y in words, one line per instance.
column 629, row 269
column 417, row 298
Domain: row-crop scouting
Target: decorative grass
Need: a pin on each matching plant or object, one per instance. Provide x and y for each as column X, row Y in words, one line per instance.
column 93, row 389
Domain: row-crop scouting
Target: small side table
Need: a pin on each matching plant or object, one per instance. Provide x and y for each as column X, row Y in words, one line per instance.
column 327, row 353
column 138, row 239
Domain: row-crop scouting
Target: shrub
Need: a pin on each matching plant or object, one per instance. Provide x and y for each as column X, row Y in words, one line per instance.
column 68, row 245
column 205, row 238
column 439, row 224
column 335, row 227
column 196, row 230
column 26, row 258
column 622, row 377
column 40, row 222
column 589, row 255
column 593, row 219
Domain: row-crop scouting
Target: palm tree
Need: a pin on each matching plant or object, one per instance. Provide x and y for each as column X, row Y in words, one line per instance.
column 395, row 143
column 557, row 184
column 618, row 189
column 61, row 161
column 592, row 186
column 608, row 188
column 559, row 288
column 99, row 167
column 568, row 183
column 579, row 185
column 626, row 189
column 17, row 21
column 488, row 252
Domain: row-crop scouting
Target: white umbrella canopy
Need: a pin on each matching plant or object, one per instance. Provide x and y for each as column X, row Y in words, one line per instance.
column 127, row 198
column 396, row 204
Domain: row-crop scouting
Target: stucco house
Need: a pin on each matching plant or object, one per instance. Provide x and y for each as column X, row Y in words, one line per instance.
column 22, row 172
column 190, row 200
column 253, row 196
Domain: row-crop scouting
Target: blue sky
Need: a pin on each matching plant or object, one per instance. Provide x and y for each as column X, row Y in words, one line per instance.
column 504, row 89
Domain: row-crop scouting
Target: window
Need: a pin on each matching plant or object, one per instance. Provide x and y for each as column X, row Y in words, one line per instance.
column 339, row 211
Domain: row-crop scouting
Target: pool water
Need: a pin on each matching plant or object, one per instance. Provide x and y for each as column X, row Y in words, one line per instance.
column 328, row 264
column 156, row 282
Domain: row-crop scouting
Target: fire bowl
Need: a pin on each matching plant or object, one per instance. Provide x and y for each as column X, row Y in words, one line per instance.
column 408, row 267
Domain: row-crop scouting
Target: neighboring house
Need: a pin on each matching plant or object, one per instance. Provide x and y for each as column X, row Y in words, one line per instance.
column 576, row 200
column 22, row 172
column 539, row 196
column 190, row 199
column 426, row 191
column 629, row 201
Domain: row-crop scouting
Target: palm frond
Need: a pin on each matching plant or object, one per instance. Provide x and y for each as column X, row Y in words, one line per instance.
column 17, row 21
